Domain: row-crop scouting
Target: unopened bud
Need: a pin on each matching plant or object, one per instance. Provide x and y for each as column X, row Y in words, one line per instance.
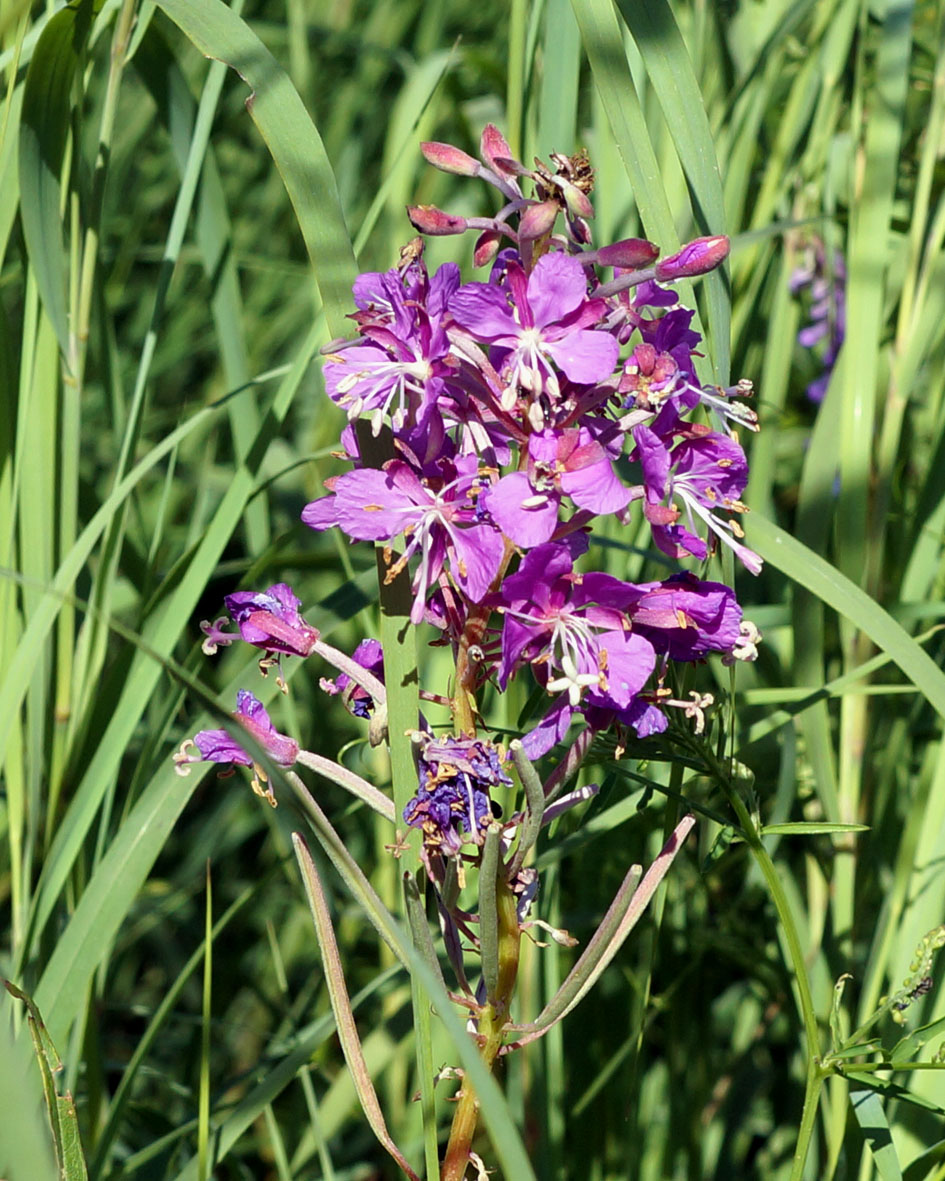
column 430, row 220
column 538, row 220
column 487, row 247
column 577, row 201
column 696, row 258
column 495, row 151
column 450, row 159
column 630, row 254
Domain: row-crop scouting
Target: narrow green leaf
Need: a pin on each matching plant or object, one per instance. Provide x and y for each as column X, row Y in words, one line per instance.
column 823, row 580
column 44, row 129
column 812, row 828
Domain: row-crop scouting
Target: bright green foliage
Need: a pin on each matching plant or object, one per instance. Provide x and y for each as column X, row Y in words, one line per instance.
column 177, row 240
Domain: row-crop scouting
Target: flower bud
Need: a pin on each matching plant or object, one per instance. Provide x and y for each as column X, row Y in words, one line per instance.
column 577, row 201
column 430, row 220
column 487, row 247
column 629, row 253
column 538, row 220
column 496, row 152
column 450, row 159
column 696, row 258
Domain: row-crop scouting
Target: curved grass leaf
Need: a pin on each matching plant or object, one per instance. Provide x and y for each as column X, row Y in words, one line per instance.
column 823, row 580
column 296, row 147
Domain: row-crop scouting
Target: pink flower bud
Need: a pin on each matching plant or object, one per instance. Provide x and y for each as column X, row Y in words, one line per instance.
column 538, row 220
column 450, row 159
column 487, row 247
column 495, row 151
column 630, row 254
column 696, row 258
column 430, row 220
column 578, row 202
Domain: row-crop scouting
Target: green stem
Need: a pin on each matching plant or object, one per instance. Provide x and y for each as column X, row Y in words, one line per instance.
column 493, row 1018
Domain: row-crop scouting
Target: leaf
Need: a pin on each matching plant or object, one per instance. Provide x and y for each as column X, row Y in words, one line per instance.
column 296, row 147
column 811, row 828
column 868, row 1109
column 820, row 578
column 44, row 131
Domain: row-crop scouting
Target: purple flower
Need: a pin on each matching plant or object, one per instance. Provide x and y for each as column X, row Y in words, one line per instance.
column 568, row 627
column 439, row 525
column 266, row 619
column 218, row 746
column 706, row 471
column 546, row 325
column 827, row 287
column 565, row 462
column 358, row 701
column 453, row 800
column 400, row 367
column 686, row 618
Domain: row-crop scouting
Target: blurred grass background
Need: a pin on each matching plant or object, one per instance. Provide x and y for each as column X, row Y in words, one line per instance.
column 165, row 282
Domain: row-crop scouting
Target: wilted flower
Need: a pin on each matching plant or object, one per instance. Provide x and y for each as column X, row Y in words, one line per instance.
column 453, row 801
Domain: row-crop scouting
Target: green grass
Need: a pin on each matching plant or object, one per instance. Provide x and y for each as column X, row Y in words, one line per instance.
column 171, row 259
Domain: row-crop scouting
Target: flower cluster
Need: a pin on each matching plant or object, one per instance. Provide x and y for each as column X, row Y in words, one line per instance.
column 516, row 407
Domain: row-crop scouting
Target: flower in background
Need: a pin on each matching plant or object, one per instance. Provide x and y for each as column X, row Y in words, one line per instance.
column 825, row 282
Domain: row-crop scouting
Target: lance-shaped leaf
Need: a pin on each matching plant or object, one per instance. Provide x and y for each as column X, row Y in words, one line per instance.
column 350, row 781
column 341, row 1005
column 351, row 873
column 535, row 800
column 624, row 912
column 488, row 911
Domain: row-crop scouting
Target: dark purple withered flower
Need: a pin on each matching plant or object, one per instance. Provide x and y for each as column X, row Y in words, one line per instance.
column 453, row 803
column 219, row 746
column 266, row 619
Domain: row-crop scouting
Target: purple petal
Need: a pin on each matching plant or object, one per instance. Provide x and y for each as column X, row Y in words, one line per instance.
column 483, row 310
column 479, row 550
column 556, row 287
column 551, row 729
column 511, row 503
column 584, row 356
column 596, row 488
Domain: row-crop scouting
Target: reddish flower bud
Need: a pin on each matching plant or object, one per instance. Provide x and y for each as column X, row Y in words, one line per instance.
column 450, row 159
column 487, row 247
column 538, row 220
column 430, row 220
column 495, row 151
column 630, row 254
column 696, row 258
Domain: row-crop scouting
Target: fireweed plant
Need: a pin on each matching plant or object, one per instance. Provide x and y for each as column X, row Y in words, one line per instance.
column 510, row 412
